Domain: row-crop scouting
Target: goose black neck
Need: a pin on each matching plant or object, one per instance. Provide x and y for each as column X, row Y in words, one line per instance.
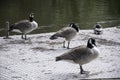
column 90, row 43
column 30, row 19
column 75, row 27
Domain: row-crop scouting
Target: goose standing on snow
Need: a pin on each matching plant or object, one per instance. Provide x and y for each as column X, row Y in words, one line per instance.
column 81, row 54
column 98, row 29
column 67, row 32
column 24, row 26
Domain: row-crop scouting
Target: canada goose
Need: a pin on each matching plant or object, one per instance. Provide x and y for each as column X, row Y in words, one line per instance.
column 67, row 32
column 24, row 26
column 98, row 29
column 81, row 54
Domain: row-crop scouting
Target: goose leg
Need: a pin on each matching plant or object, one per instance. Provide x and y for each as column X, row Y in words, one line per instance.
column 82, row 71
column 64, row 44
column 22, row 36
column 25, row 37
column 68, row 45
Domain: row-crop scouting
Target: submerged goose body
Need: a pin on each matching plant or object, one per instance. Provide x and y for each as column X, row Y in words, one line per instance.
column 81, row 55
column 67, row 32
column 24, row 26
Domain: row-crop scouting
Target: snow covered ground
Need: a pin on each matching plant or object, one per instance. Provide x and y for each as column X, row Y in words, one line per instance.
column 34, row 59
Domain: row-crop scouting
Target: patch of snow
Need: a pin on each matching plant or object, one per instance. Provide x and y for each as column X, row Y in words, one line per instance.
column 34, row 59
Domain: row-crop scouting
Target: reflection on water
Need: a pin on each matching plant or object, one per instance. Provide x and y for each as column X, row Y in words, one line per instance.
column 51, row 15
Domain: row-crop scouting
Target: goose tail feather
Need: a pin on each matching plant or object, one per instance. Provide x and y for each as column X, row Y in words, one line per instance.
column 58, row 59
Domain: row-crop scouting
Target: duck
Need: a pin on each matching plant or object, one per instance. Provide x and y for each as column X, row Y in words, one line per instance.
column 98, row 29
column 24, row 26
column 68, row 33
column 81, row 55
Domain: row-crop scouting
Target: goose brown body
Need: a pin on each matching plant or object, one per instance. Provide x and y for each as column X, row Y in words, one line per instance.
column 24, row 26
column 81, row 54
column 67, row 32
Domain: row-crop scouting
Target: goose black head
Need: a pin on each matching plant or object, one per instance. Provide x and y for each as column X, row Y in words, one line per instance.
column 74, row 26
column 31, row 16
column 91, row 43
column 98, row 25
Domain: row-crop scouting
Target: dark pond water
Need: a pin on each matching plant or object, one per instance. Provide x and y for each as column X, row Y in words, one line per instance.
column 52, row 15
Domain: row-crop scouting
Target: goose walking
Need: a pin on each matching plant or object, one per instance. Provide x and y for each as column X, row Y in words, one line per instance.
column 67, row 32
column 81, row 54
column 24, row 26
column 98, row 29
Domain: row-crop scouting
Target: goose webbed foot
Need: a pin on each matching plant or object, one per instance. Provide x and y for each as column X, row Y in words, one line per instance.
column 64, row 46
column 26, row 38
column 84, row 72
column 68, row 47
